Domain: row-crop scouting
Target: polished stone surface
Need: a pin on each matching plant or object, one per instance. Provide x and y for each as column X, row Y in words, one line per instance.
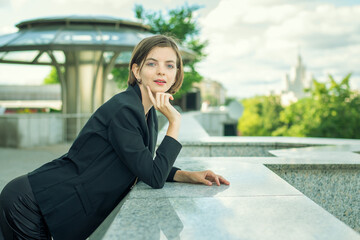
column 270, row 217
column 258, row 204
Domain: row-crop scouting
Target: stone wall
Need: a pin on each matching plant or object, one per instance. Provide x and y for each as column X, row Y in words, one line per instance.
column 335, row 187
column 28, row 130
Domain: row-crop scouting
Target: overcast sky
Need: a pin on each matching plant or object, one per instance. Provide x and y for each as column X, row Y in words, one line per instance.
column 252, row 43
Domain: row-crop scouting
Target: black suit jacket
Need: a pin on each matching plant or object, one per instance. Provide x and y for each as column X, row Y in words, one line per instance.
column 77, row 191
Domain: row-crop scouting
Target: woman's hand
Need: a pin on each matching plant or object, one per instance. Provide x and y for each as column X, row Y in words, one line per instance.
column 205, row 177
column 161, row 103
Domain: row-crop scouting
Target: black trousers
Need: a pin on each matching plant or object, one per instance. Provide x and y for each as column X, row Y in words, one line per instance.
column 20, row 215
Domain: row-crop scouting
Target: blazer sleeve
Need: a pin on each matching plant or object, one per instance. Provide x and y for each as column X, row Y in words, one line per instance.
column 171, row 175
column 126, row 135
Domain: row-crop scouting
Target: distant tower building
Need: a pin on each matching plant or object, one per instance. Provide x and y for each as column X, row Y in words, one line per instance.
column 295, row 83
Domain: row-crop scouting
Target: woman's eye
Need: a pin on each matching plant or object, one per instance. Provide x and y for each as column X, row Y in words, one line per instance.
column 151, row 64
column 170, row 66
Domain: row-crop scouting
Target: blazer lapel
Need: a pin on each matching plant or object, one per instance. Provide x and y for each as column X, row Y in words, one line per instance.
column 151, row 122
column 152, row 131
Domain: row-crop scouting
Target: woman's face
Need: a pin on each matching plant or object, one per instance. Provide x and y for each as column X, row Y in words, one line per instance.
column 158, row 71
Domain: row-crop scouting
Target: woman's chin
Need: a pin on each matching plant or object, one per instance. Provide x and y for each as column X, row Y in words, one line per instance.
column 162, row 89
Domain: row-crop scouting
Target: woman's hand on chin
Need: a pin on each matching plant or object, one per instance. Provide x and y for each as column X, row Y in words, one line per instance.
column 161, row 102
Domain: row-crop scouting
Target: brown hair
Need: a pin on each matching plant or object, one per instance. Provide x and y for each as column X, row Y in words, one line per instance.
column 143, row 48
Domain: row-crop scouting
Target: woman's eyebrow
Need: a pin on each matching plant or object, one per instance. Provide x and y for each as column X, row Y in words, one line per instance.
column 153, row 59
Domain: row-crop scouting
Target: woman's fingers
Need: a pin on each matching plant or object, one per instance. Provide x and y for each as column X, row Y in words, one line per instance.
column 151, row 96
column 223, row 180
column 206, row 177
column 215, row 178
column 158, row 100
column 161, row 99
column 199, row 177
column 165, row 98
column 161, row 102
column 206, row 182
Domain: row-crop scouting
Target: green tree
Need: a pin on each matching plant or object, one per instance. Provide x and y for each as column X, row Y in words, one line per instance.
column 260, row 116
column 181, row 24
column 297, row 119
column 52, row 78
column 331, row 111
column 120, row 75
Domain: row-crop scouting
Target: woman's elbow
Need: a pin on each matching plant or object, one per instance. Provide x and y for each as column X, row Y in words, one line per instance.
column 157, row 181
column 158, row 185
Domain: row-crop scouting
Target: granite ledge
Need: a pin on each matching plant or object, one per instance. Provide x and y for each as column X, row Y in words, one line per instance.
column 313, row 166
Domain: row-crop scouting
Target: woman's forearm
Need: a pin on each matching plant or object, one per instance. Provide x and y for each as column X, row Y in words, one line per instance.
column 173, row 129
column 181, row 176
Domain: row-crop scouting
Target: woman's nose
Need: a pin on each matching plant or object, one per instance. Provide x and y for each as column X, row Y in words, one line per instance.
column 160, row 70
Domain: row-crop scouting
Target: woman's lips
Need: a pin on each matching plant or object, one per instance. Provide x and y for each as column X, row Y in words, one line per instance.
column 160, row 82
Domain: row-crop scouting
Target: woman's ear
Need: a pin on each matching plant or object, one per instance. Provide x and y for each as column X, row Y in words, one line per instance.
column 136, row 70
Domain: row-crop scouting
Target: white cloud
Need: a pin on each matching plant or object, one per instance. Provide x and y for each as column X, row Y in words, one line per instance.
column 4, row 3
column 260, row 42
column 25, row 9
column 14, row 74
column 275, row 14
column 325, row 21
column 18, row 3
column 7, row 29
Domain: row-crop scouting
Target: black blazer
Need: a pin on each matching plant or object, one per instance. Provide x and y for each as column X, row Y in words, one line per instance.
column 77, row 191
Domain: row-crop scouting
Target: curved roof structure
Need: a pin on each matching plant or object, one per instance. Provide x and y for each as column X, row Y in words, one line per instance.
column 72, row 33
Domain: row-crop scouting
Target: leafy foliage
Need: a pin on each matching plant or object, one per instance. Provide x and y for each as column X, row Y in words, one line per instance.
column 121, row 76
column 332, row 110
column 52, row 78
column 260, row 116
column 181, row 24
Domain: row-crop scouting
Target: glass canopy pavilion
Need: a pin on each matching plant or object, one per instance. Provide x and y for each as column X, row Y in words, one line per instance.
column 83, row 49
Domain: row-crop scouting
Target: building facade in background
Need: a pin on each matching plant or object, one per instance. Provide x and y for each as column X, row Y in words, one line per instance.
column 212, row 92
column 295, row 83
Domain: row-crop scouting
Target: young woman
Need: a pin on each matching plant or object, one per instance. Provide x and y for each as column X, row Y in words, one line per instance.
column 69, row 197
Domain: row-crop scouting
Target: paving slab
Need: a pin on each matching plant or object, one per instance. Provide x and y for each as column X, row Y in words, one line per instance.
column 265, row 217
